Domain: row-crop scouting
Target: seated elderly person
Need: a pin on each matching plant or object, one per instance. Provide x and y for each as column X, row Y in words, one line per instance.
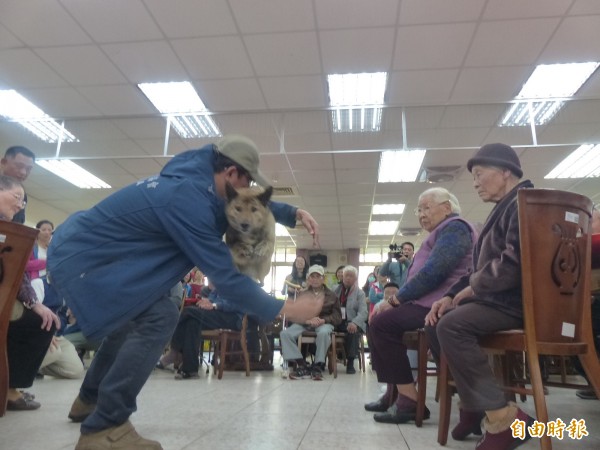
column 444, row 257
column 323, row 325
column 32, row 324
column 208, row 314
column 485, row 301
column 354, row 314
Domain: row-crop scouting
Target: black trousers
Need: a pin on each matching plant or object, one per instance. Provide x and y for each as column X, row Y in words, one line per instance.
column 193, row 320
column 27, row 345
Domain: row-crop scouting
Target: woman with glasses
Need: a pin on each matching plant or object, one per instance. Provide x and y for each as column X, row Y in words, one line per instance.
column 443, row 258
column 32, row 324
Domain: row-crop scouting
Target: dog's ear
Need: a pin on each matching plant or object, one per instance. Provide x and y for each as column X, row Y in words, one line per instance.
column 266, row 195
column 230, row 191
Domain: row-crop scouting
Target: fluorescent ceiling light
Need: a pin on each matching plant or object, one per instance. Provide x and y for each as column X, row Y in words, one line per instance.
column 388, row 209
column 584, row 162
column 400, row 165
column 180, row 102
column 383, row 228
column 357, row 99
column 16, row 107
column 74, row 174
column 547, row 82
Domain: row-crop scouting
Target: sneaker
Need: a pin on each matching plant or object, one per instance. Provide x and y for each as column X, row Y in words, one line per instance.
column 80, row 410
column 316, row 373
column 300, row 373
column 122, row 437
column 182, row 375
column 499, row 436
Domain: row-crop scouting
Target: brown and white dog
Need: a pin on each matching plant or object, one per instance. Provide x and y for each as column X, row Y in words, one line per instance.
column 251, row 232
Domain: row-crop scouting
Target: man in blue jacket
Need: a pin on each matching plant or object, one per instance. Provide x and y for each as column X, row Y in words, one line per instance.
column 115, row 263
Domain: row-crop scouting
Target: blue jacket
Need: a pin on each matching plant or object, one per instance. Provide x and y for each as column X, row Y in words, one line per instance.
column 114, row 260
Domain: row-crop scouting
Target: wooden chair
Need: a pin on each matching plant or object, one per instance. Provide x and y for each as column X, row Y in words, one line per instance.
column 555, row 231
column 222, row 340
column 417, row 340
column 16, row 243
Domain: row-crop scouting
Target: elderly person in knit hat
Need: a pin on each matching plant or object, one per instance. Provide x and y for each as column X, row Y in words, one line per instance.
column 486, row 301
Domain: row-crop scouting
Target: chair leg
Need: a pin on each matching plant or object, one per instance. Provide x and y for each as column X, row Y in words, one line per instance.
column 334, row 355
column 421, row 377
column 244, row 345
column 591, row 365
column 445, row 401
column 539, row 399
column 223, row 346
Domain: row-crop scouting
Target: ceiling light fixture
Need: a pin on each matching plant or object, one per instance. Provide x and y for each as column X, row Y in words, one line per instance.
column 383, row 227
column 73, row 173
column 384, row 209
column 16, row 107
column 545, row 92
column 357, row 99
column 583, row 162
column 397, row 166
column 186, row 111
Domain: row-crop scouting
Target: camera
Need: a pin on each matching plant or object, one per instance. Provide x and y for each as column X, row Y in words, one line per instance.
column 397, row 251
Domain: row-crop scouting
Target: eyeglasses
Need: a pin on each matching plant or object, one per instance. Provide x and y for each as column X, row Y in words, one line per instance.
column 21, row 201
column 427, row 209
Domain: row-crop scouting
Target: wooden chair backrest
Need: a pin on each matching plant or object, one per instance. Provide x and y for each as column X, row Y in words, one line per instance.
column 555, row 245
column 16, row 243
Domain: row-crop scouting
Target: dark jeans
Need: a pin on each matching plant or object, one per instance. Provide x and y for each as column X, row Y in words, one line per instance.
column 457, row 333
column 26, row 347
column 193, row 320
column 352, row 340
column 123, row 363
column 388, row 353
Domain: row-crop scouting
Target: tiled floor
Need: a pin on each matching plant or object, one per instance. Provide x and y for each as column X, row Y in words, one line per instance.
column 264, row 412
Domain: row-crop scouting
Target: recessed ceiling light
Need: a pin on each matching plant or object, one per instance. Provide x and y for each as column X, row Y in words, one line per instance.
column 16, row 107
column 400, row 165
column 388, row 209
column 545, row 91
column 357, row 99
column 583, row 162
column 383, row 228
column 73, row 173
column 186, row 111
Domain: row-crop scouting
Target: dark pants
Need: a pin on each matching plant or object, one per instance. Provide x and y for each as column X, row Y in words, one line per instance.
column 27, row 345
column 351, row 341
column 388, row 353
column 457, row 332
column 193, row 320
column 123, row 364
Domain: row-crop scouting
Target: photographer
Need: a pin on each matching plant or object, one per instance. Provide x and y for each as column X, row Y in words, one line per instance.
column 396, row 266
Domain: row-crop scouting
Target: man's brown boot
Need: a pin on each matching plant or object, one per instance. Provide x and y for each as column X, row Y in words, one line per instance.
column 122, row 437
column 80, row 410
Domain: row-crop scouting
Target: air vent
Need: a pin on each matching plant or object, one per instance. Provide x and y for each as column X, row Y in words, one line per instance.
column 409, row 231
column 439, row 174
column 283, row 191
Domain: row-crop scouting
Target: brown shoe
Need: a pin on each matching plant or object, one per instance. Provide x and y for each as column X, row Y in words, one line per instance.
column 80, row 410
column 122, row 437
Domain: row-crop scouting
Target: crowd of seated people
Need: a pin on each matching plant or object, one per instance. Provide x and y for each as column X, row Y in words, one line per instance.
column 456, row 285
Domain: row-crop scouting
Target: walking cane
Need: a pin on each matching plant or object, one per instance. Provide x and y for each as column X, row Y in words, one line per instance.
column 285, row 371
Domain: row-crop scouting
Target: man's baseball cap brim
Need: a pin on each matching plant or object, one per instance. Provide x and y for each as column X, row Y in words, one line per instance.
column 243, row 151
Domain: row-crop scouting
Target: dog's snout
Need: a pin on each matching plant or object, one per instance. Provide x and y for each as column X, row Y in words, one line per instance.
column 245, row 226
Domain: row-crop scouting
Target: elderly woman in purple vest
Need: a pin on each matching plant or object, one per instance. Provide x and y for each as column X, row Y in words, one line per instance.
column 443, row 258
